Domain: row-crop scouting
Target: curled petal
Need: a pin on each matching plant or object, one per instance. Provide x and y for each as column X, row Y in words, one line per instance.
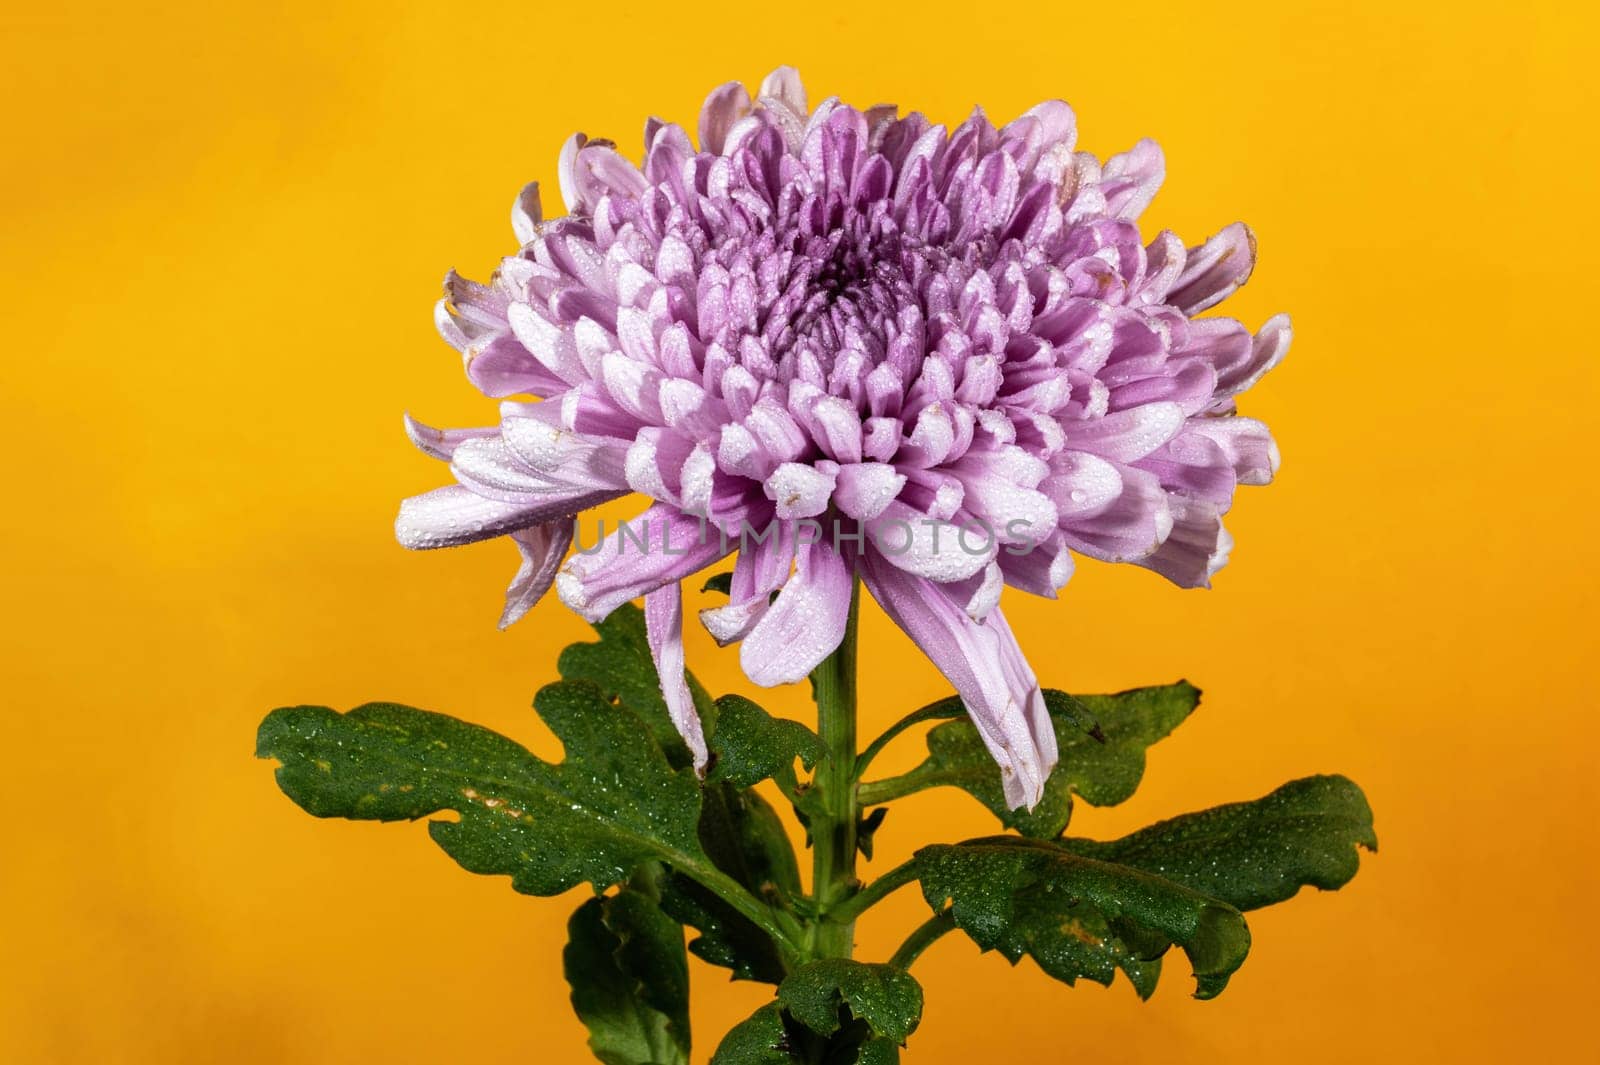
column 1038, row 569
column 663, row 620
column 1196, row 549
column 1113, row 513
column 542, row 547
column 526, row 213
column 442, row 443
column 1246, row 442
column 926, row 546
column 658, row 547
column 1132, row 179
column 981, row 661
column 805, row 623
column 784, row 85
column 1215, row 270
column 726, row 105
column 451, row 516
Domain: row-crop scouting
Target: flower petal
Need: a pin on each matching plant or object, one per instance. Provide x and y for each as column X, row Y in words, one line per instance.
column 663, row 621
column 805, row 623
column 1215, row 270
column 450, row 516
column 977, row 660
column 655, row 548
column 543, row 547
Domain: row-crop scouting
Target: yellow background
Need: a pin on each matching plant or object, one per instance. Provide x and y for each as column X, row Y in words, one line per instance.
column 224, row 227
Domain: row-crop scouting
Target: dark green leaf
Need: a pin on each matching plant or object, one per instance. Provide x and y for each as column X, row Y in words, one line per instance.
column 771, row 1036
column 1078, row 917
column 1102, row 740
column 620, row 666
column 613, row 803
column 745, row 839
column 629, row 976
column 760, row 1039
column 718, row 582
column 825, row 994
column 751, row 745
column 1253, row 854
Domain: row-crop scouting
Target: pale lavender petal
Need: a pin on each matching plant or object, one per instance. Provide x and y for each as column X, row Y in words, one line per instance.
column 805, row 624
column 1246, row 442
column 451, row 516
column 1215, row 270
column 656, row 548
column 542, row 547
column 663, row 619
column 526, row 213
column 442, row 443
column 724, row 107
column 974, row 658
column 913, row 541
column 1196, row 549
column 1039, row 569
column 1132, row 179
column 799, row 490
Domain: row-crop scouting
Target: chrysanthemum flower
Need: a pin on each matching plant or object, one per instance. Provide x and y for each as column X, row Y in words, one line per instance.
column 836, row 318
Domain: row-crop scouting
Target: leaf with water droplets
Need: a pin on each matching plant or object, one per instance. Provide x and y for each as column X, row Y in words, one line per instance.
column 1102, row 740
column 620, row 666
column 745, row 839
column 1254, row 854
column 1079, row 917
column 752, row 745
column 613, row 803
column 771, row 1036
column 824, row 995
column 629, row 975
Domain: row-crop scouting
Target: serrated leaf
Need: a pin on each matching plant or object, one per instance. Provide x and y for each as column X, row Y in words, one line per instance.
column 1102, row 740
column 823, row 995
column 770, row 1036
column 629, row 975
column 613, row 803
column 1080, row 917
column 621, row 667
column 1254, row 854
column 751, row 745
column 744, row 838
column 760, row 1039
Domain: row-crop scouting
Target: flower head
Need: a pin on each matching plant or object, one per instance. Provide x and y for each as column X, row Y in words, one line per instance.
column 824, row 321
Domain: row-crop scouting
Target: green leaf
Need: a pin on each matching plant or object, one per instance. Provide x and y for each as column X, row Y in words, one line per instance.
column 621, row 667
column 744, row 838
column 613, row 803
column 1079, row 917
column 1253, row 854
column 823, row 995
column 1102, row 740
column 719, row 582
column 760, row 1039
column 629, row 975
column 751, row 745
column 771, row 1036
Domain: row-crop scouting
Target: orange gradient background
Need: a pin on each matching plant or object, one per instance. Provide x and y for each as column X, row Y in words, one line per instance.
column 223, row 233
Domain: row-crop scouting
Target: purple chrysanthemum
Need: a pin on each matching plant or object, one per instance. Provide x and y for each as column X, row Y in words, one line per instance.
column 828, row 319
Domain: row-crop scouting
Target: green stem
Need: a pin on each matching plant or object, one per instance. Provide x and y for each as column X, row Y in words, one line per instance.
column 877, row 891
column 925, row 935
column 833, row 826
column 878, row 792
column 939, row 711
column 734, row 894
